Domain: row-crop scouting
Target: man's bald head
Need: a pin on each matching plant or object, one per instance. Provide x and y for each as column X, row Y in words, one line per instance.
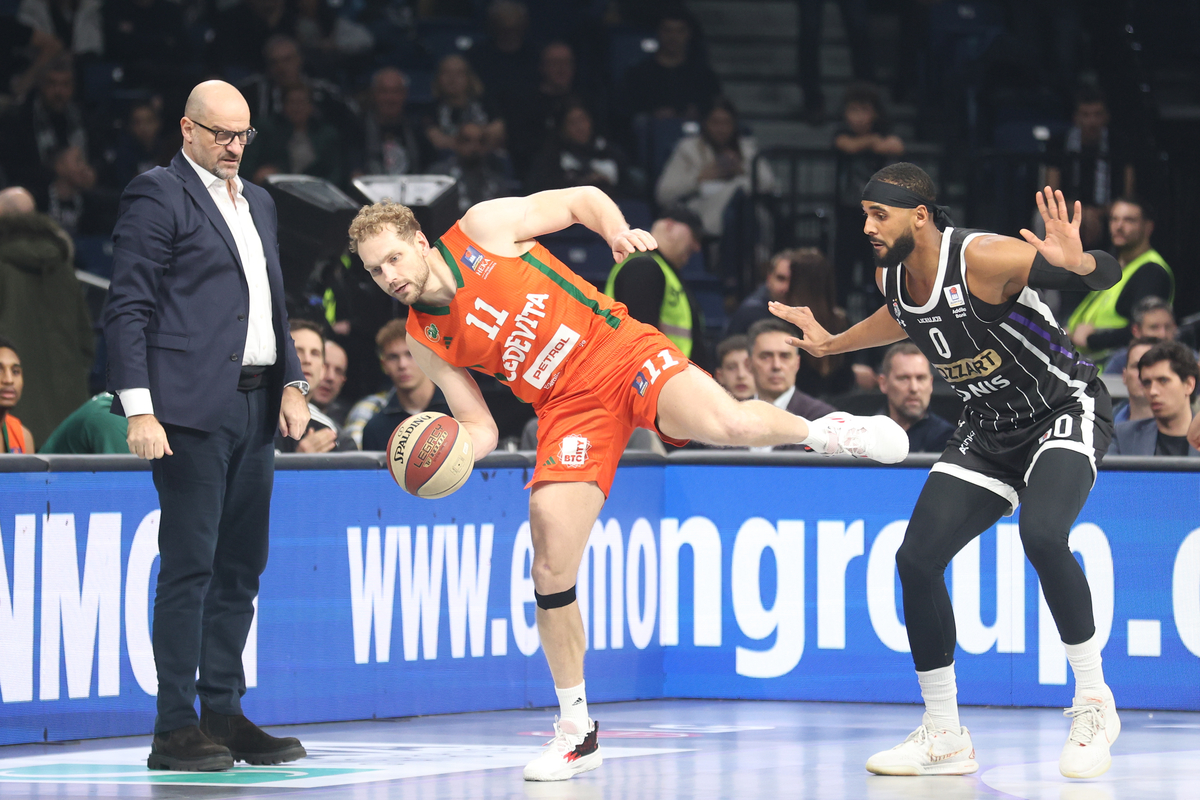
column 214, row 106
column 16, row 200
column 215, row 97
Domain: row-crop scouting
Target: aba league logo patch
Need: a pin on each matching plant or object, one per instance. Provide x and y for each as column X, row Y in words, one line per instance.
column 954, row 296
column 471, row 258
column 431, row 331
column 573, row 452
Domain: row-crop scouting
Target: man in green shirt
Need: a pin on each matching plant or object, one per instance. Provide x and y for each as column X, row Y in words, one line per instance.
column 91, row 428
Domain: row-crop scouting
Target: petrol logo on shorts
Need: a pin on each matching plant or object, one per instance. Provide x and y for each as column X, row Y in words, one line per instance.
column 551, row 357
column 432, row 332
column 640, row 383
column 573, row 452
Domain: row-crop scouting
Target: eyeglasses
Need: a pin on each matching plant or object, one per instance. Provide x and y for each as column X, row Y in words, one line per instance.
column 224, row 138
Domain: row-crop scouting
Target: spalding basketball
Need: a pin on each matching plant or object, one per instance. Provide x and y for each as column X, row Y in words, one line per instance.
column 430, row 455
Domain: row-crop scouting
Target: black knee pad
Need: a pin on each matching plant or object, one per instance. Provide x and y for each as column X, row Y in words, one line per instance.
column 556, row 600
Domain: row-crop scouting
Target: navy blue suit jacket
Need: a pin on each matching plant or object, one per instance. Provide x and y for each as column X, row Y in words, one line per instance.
column 177, row 311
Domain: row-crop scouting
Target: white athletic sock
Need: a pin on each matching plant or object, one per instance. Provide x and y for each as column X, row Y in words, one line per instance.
column 1085, row 663
column 940, row 691
column 572, row 705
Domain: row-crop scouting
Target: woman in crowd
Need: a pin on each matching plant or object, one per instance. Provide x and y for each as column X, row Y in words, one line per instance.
column 459, row 95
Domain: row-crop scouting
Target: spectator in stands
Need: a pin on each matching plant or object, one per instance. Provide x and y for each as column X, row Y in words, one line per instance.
column 706, row 170
column 481, row 175
column 1136, row 406
column 774, row 287
column 149, row 40
column 265, row 91
column 142, row 145
column 1091, row 163
column 326, row 395
column 650, row 286
column 674, row 81
column 44, row 313
column 322, row 435
column 239, row 34
column 299, row 143
column 775, row 363
column 577, row 156
column 411, row 391
column 1169, row 373
column 16, row 200
column 906, row 378
column 459, row 95
column 75, row 23
column 17, row 437
column 72, row 199
column 1101, row 322
column 733, row 367
column 1151, row 317
column 392, row 143
column 92, row 429
column 533, row 123
column 506, row 56
column 864, row 144
column 48, row 121
column 366, row 408
column 331, row 39
column 811, row 284
column 24, row 53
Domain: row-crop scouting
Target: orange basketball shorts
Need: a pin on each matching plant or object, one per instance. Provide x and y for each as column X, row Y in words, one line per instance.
column 583, row 429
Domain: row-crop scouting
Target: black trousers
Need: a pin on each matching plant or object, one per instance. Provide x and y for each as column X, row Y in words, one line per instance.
column 215, row 496
column 951, row 512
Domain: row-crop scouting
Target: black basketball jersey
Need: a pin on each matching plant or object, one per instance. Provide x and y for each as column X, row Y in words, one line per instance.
column 1011, row 364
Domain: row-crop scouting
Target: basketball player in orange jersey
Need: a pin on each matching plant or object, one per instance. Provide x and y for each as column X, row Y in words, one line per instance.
column 487, row 296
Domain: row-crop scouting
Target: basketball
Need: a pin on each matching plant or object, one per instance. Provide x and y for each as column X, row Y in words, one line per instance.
column 430, row 455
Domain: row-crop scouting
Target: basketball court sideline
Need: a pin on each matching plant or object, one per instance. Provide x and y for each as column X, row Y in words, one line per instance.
column 653, row 749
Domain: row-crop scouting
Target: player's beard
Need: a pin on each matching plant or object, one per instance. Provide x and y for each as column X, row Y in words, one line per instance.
column 898, row 251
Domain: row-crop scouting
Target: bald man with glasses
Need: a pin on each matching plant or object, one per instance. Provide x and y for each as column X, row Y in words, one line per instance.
column 202, row 364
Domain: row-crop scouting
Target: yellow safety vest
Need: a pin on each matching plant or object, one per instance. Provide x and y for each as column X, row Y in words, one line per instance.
column 675, row 316
column 1100, row 308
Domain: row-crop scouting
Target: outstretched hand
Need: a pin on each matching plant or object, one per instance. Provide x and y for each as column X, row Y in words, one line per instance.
column 1062, row 246
column 816, row 338
column 628, row 242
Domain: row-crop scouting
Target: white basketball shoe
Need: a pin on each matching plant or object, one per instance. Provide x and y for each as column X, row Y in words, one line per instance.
column 1094, row 727
column 928, row 751
column 569, row 753
column 878, row 438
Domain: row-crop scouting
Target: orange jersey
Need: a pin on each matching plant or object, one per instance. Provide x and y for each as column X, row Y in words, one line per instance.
column 529, row 321
column 14, row 435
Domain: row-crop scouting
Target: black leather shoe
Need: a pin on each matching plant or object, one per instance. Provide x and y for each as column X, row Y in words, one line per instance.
column 246, row 741
column 188, row 750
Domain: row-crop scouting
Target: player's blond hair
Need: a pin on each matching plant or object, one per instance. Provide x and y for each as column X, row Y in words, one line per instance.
column 376, row 217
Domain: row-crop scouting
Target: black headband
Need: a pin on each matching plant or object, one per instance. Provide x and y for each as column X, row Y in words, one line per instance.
column 889, row 194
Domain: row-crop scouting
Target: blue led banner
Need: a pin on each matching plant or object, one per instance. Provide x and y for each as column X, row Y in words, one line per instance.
column 701, row 581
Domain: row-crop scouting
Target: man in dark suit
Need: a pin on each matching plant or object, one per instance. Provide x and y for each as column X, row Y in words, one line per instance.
column 1169, row 374
column 203, row 366
column 774, row 363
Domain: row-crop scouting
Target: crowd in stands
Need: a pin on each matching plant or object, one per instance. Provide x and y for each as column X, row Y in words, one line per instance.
column 507, row 97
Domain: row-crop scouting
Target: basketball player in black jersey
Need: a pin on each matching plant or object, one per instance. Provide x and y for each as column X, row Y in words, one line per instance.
column 1036, row 422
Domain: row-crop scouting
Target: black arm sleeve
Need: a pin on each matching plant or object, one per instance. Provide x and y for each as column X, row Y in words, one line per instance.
column 641, row 286
column 1043, row 275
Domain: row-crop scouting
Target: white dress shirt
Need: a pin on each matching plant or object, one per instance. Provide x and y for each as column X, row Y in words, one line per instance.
column 260, row 335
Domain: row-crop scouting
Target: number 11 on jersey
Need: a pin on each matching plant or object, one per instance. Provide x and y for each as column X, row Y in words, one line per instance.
column 667, row 363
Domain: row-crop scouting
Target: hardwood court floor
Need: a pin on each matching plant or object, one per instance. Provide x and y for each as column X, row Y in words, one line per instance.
column 657, row 749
